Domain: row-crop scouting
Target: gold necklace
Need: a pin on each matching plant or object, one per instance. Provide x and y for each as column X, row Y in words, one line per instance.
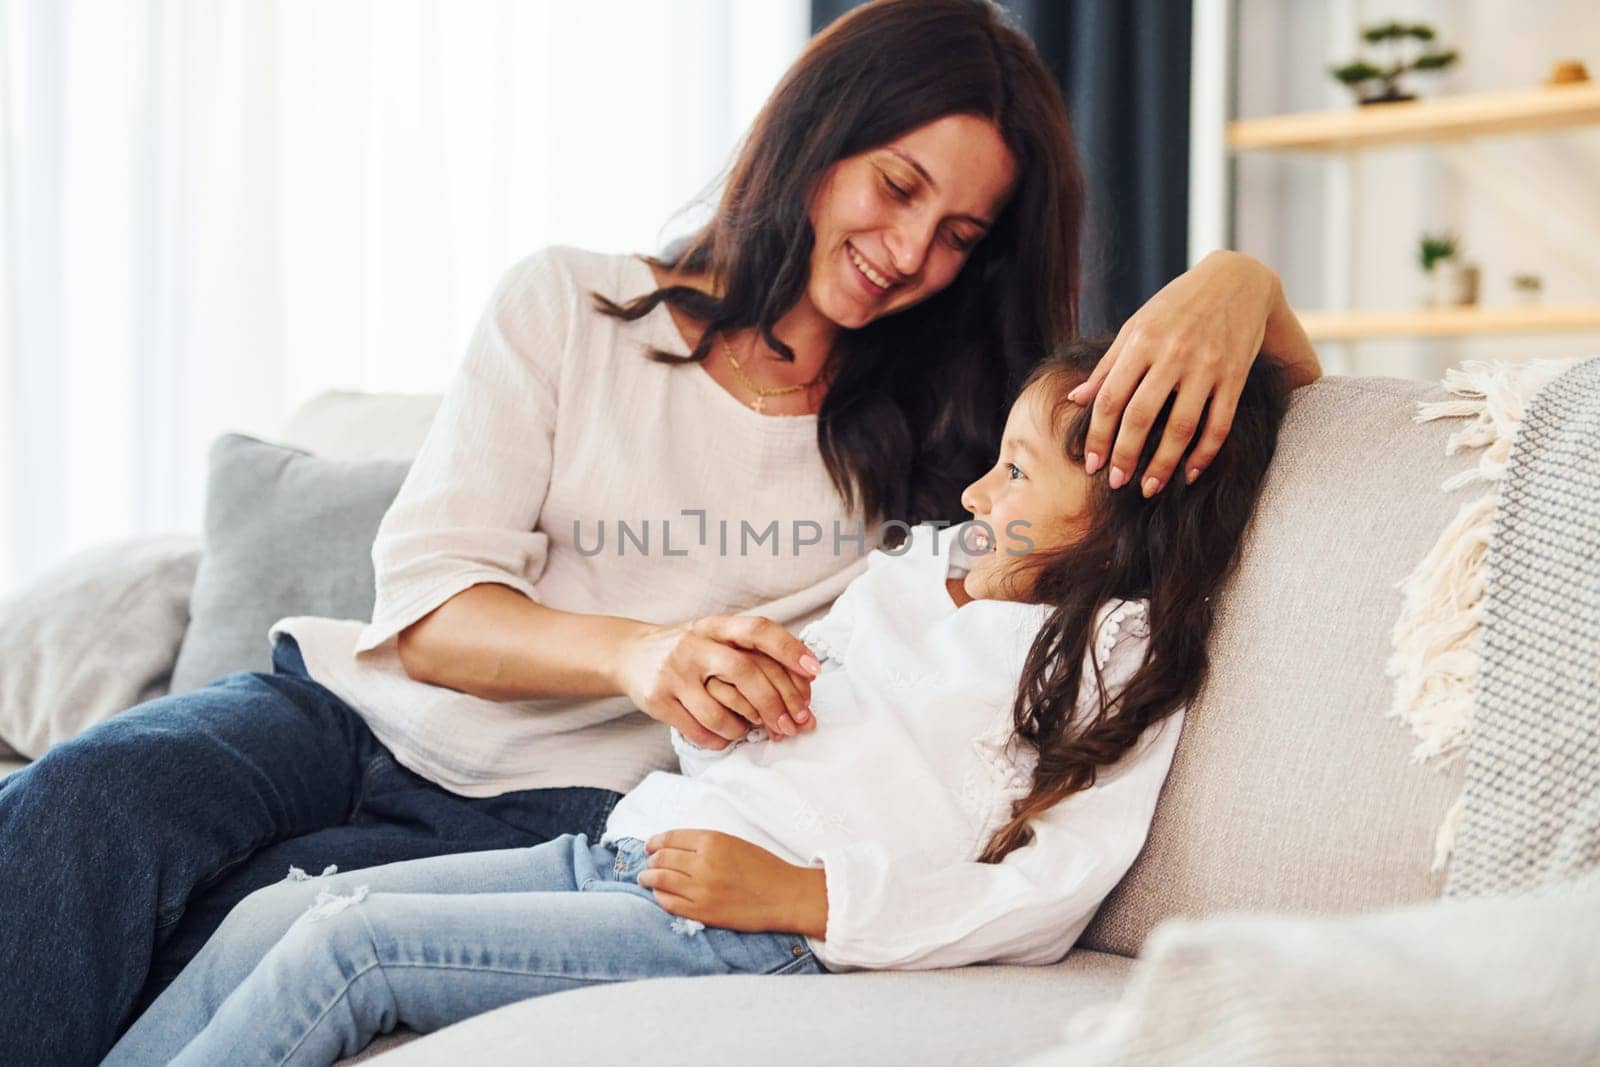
column 759, row 404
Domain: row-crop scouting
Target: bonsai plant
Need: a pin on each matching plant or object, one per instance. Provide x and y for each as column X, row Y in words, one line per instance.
column 1380, row 84
column 1434, row 248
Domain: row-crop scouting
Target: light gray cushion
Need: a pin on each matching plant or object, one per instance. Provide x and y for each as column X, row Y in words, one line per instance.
column 979, row 1014
column 94, row 634
column 286, row 533
column 1291, row 789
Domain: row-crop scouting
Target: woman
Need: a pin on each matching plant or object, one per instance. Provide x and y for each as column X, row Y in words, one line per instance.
column 513, row 680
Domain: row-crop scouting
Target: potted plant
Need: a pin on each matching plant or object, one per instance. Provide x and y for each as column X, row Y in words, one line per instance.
column 1380, row 83
column 1450, row 282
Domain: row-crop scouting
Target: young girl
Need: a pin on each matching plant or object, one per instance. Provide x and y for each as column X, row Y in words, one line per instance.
column 997, row 712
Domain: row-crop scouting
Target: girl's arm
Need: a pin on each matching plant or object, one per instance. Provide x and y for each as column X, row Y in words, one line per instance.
column 885, row 912
column 693, row 759
column 722, row 880
column 874, row 909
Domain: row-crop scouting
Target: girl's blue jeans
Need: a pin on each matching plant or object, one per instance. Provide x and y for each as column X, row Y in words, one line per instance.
column 311, row 969
column 124, row 848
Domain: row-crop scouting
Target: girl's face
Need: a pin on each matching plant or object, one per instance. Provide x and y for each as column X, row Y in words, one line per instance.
column 895, row 224
column 1033, row 499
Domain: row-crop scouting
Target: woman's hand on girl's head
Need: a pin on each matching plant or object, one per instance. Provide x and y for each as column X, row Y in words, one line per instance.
column 722, row 880
column 666, row 669
column 1198, row 336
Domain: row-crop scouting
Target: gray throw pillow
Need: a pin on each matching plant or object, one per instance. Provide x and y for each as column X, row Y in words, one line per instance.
column 92, row 635
column 286, row 533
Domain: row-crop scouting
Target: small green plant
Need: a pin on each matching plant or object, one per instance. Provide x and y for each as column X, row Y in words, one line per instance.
column 1378, row 84
column 1434, row 248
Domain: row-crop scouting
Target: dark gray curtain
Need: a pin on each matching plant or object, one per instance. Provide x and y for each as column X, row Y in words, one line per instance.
column 1123, row 68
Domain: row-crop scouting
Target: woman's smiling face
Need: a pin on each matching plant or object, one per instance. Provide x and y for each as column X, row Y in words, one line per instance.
column 906, row 213
column 1033, row 485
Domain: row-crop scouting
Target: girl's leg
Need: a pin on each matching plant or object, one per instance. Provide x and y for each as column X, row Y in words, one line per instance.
column 262, row 918
column 348, row 971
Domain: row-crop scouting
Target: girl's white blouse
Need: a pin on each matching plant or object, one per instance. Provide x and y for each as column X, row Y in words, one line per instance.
column 907, row 774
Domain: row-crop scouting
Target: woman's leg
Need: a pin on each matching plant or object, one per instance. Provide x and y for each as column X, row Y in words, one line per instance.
column 361, row 965
column 103, row 839
column 400, row 817
column 261, row 920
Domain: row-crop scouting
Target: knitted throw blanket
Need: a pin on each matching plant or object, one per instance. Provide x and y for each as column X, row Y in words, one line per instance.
column 1531, row 806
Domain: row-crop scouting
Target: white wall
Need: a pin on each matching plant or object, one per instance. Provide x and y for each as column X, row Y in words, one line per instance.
column 1520, row 204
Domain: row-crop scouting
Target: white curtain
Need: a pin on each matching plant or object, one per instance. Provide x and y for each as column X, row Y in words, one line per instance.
column 212, row 210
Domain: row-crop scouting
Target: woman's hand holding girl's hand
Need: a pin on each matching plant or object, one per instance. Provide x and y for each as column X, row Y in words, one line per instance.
column 1198, row 336
column 716, row 676
column 726, row 881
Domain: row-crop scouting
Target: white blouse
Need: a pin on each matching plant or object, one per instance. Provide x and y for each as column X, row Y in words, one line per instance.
column 907, row 774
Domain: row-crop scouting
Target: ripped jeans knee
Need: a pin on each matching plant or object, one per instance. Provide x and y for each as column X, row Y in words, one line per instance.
column 327, row 902
column 686, row 927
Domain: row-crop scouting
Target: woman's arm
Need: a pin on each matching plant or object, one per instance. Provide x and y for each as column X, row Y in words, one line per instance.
column 1285, row 339
column 494, row 642
column 1197, row 337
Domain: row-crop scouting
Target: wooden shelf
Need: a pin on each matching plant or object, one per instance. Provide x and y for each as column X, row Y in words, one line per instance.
column 1451, row 322
column 1448, row 118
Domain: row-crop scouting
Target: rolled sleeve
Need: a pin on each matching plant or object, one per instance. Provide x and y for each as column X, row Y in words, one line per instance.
column 467, row 511
column 694, row 759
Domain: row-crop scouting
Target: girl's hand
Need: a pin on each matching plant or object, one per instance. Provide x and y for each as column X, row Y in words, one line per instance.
column 726, row 881
column 1198, row 336
column 665, row 670
column 729, row 697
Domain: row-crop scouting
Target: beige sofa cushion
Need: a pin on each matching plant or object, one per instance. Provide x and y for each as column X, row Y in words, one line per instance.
column 1291, row 789
column 341, row 424
column 981, row 1014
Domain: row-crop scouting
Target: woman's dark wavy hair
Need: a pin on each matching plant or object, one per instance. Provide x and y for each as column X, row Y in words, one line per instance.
column 918, row 397
column 1175, row 549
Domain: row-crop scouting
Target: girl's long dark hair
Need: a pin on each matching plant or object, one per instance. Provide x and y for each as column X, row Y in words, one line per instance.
column 919, row 397
column 1175, row 549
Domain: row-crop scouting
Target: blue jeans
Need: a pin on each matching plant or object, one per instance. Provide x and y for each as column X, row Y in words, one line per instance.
column 312, row 969
column 124, row 848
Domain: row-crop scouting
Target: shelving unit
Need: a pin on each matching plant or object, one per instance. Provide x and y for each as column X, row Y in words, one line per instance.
column 1450, row 118
column 1463, row 117
column 1451, row 322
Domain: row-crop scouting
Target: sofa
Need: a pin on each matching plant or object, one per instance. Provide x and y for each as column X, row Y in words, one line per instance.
column 1293, row 790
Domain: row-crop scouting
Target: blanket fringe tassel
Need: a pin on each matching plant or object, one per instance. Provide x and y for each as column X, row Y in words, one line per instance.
column 1434, row 661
